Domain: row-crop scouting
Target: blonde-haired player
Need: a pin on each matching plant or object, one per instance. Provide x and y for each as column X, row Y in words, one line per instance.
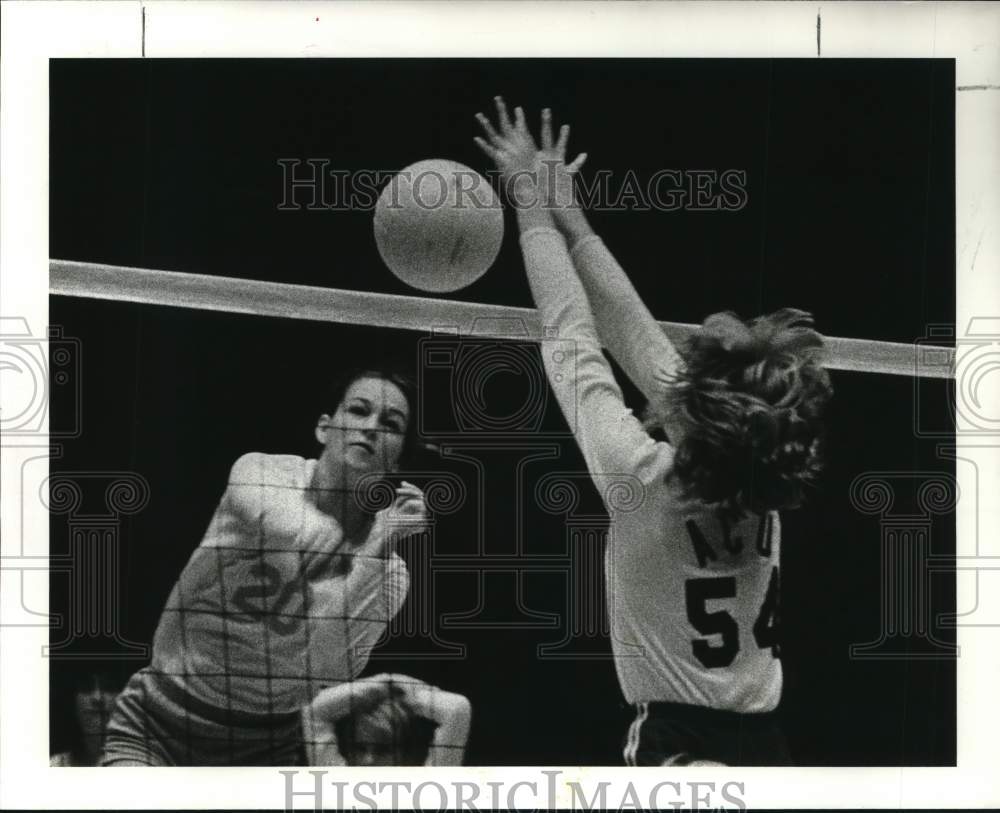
column 387, row 719
column 692, row 573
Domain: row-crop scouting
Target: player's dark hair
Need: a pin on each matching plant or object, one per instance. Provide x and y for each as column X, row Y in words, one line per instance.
column 74, row 677
column 338, row 389
column 399, row 728
column 750, row 402
column 111, row 675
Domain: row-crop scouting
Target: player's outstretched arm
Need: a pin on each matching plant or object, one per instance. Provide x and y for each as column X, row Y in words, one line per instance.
column 513, row 150
column 612, row 441
column 624, row 323
column 359, row 595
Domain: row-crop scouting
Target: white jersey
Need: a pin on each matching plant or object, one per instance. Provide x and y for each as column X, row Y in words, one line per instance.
column 692, row 601
column 264, row 614
column 692, row 604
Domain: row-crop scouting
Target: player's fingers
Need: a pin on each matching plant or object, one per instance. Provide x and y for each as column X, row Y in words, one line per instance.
column 563, row 141
column 381, row 677
column 577, row 163
column 503, row 117
column 399, row 679
column 410, row 504
column 519, row 120
column 546, row 129
column 491, row 134
column 491, row 151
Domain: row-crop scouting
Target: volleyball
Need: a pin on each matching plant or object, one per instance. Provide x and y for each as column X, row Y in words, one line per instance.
column 438, row 225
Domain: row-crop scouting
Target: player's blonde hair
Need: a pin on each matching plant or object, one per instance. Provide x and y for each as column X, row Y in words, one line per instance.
column 750, row 401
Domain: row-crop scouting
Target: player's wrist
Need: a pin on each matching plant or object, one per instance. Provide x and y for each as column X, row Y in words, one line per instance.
column 523, row 189
column 573, row 223
column 534, row 217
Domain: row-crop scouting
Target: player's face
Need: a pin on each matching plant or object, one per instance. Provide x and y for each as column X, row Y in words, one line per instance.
column 381, row 754
column 368, row 430
column 94, row 703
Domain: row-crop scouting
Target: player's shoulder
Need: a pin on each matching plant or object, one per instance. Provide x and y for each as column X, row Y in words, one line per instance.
column 258, row 468
column 634, row 451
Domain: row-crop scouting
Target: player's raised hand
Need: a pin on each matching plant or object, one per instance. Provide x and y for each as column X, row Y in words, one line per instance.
column 405, row 516
column 558, row 175
column 513, row 150
column 408, row 514
column 510, row 145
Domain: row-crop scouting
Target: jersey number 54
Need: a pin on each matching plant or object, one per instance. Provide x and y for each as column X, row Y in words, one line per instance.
column 765, row 629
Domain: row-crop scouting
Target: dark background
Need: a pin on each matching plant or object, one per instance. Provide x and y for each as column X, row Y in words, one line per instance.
column 850, row 214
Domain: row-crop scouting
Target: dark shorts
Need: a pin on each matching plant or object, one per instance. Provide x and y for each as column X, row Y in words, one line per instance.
column 678, row 734
column 155, row 722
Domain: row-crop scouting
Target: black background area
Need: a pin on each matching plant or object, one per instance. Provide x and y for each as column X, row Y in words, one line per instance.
column 173, row 164
column 850, row 211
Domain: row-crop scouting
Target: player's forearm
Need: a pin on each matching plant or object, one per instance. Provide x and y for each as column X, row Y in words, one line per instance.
column 562, row 307
column 374, row 592
column 365, row 576
column 572, row 222
column 453, row 714
column 558, row 293
column 624, row 323
column 350, row 613
column 534, row 217
column 339, row 701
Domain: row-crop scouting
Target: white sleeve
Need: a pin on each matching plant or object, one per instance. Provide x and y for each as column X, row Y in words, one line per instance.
column 352, row 613
column 245, row 491
column 612, row 440
column 624, row 323
column 376, row 591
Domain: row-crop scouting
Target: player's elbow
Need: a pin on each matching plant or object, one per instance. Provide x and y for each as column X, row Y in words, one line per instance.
column 459, row 710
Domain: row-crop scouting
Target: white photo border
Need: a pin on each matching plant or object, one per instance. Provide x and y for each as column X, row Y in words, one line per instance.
column 34, row 32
